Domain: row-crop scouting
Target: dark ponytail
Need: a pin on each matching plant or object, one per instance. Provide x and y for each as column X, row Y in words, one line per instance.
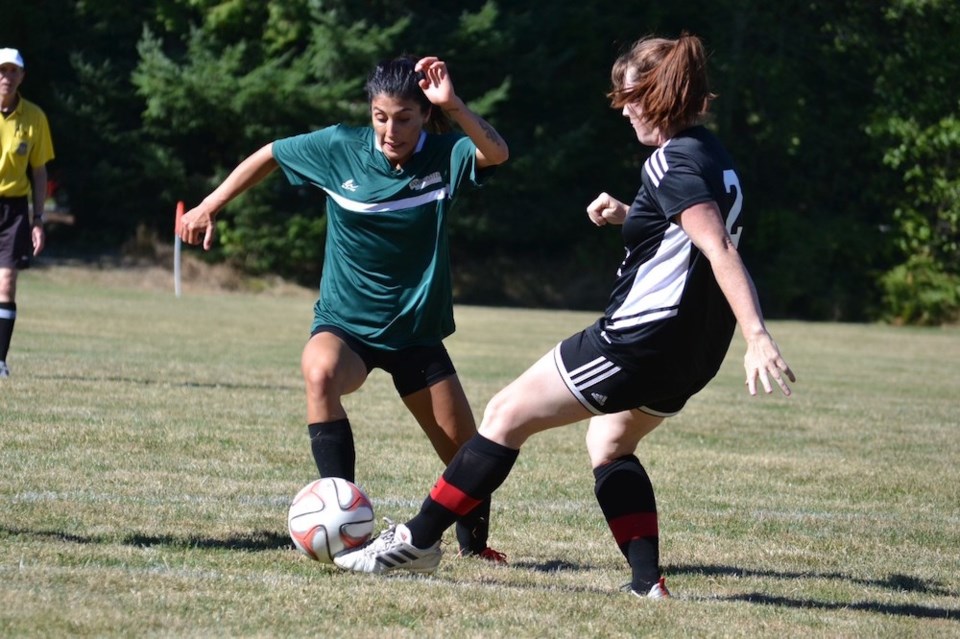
column 398, row 78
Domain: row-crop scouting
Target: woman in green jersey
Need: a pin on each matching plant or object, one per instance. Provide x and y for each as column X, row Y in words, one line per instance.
column 385, row 292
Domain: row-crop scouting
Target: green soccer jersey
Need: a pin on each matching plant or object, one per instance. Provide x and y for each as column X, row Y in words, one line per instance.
column 386, row 271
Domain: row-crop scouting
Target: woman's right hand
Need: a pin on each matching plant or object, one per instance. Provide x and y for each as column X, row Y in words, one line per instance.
column 606, row 209
column 198, row 221
column 197, row 224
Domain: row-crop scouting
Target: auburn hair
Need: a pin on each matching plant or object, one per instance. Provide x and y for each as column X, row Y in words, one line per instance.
column 666, row 79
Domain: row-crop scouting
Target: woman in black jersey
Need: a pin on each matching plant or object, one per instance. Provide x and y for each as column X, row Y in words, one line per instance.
column 679, row 294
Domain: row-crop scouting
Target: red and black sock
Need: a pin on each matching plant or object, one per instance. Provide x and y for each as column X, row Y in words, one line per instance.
column 332, row 447
column 625, row 494
column 477, row 470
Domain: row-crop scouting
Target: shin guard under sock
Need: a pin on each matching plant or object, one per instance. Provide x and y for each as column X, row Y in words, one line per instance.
column 625, row 495
column 332, row 447
column 477, row 470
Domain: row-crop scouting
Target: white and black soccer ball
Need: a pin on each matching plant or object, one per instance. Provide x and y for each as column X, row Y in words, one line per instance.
column 328, row 516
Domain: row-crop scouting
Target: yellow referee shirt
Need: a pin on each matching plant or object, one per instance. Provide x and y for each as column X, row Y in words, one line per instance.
column 24, row 142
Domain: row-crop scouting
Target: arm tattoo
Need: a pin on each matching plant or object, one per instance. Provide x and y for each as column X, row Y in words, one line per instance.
column 492, row 134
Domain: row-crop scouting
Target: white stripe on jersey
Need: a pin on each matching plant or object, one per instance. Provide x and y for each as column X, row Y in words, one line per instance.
column 658, row 284
column 656, row 165
column 391, row 205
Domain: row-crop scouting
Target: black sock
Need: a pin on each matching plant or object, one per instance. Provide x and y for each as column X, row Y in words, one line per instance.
column 332, row 446
column 625, row 495
column 8, row 315
column 473, row 529
column 477, row 470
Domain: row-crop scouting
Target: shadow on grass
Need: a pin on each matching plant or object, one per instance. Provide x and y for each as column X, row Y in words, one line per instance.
column 166, row 382
column 901, row 583
column 894, row 582
column 549, row 566
column 902, row 610
column 262, row 540
column 256, row 541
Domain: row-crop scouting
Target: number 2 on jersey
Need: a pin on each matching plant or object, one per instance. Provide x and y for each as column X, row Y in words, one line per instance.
column 731, row 181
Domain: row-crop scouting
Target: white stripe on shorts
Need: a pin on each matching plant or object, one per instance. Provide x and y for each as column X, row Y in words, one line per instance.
column 584, row 377
column 603, row 369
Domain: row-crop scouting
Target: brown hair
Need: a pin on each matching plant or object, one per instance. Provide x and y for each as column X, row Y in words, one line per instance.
column 668, row 81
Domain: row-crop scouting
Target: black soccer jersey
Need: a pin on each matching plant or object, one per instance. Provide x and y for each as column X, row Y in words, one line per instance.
column 666, row 309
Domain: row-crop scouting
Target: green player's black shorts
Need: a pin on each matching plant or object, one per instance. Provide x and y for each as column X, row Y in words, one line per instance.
column 412, row 369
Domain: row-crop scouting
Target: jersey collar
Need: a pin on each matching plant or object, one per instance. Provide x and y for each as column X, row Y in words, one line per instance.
column 420, row 143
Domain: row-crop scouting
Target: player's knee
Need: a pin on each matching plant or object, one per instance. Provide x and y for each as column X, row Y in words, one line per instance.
column 8, row 285
column 320, row 380
column 501, row 417
column 603, row 449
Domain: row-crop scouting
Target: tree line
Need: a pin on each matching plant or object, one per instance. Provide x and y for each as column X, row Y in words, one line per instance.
column 842, row 117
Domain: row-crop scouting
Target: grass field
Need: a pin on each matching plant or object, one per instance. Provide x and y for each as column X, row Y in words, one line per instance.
column 149, row 447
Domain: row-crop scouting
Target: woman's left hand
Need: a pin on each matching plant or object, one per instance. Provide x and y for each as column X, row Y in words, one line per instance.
column 436, row 83
column 762, row 362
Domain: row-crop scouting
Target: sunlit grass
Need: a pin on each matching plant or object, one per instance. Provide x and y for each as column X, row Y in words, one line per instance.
column 149, row 447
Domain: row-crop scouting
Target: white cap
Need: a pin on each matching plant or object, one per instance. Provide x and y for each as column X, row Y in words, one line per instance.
column 11, row 56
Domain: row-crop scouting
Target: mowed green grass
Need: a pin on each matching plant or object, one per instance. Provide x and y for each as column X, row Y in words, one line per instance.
column 149, row 448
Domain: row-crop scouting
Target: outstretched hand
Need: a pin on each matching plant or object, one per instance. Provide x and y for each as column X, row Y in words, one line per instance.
column 436, row 83
column 763, row 361
column 197, row 224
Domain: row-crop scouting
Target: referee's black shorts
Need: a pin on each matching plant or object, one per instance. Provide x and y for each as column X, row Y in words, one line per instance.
column 16, row 244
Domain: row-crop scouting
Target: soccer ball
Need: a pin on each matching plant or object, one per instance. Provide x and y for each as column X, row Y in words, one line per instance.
column 328, row 516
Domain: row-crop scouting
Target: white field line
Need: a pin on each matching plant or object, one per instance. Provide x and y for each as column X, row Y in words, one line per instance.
column 406, row 505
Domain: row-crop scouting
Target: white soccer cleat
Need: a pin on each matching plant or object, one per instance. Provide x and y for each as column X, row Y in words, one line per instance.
column 392, row 550
column 657, row 591
column 4, row 370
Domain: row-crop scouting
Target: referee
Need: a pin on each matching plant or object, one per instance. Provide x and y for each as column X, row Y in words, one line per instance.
column 25, row 149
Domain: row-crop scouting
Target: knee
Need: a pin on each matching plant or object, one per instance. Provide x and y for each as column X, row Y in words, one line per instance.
column 8, row 285
column 500, row 417
column 319, row 380
column 603, row 449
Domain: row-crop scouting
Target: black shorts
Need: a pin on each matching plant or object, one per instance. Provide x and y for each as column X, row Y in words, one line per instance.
column 604, row 387
column 16, row 243
column 412, row 369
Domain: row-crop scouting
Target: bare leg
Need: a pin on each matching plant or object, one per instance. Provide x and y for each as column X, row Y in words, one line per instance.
column 536, row 401
column 612, row 436
column 625, row 493
column 444, row 414
column 330, row 371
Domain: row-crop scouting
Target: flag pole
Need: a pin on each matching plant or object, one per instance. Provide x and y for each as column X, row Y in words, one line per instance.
column 176, row 249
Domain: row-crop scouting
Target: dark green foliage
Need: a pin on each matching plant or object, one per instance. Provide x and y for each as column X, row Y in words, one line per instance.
column 841, row 116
